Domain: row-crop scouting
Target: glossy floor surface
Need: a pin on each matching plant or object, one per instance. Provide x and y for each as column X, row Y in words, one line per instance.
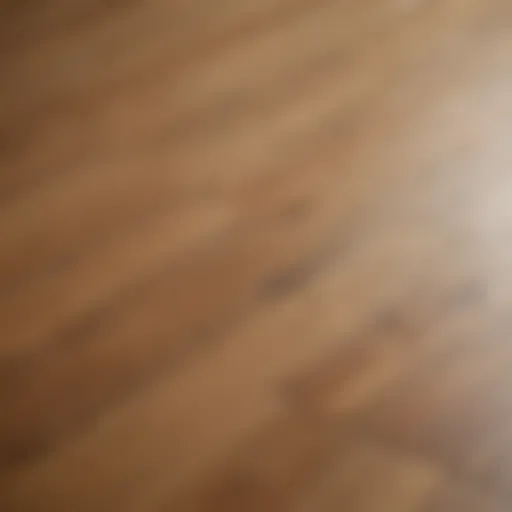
column 256, row 255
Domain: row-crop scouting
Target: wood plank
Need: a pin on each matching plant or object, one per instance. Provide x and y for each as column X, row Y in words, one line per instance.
column 255, row 255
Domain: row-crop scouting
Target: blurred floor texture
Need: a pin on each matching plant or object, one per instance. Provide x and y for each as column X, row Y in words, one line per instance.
column 256, row 255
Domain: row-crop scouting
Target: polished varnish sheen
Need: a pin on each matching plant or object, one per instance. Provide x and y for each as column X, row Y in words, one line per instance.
column 256, row 255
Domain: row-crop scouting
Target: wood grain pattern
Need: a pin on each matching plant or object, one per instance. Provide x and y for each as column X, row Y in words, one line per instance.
column 255, row 255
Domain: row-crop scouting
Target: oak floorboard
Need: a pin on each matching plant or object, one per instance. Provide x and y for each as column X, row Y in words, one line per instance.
column 255, row 255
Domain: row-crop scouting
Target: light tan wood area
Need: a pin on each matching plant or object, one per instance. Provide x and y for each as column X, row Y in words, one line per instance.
column 256, row 255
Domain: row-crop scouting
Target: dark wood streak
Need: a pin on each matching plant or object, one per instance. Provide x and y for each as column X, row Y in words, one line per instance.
column 76, row 343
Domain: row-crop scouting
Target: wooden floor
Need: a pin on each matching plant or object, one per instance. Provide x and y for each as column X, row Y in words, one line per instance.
column 256, row 255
